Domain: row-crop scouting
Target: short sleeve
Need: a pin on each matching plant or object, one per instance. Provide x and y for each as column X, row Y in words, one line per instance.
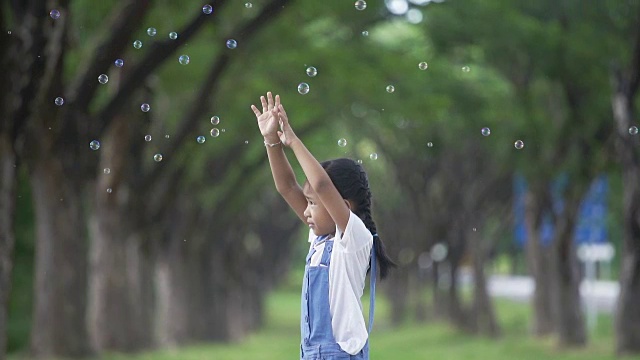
column 356, row 235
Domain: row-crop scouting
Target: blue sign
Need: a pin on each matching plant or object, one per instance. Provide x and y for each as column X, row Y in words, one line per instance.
column 591, row 226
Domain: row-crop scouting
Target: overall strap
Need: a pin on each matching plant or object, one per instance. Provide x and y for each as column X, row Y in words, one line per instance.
column 372, row 288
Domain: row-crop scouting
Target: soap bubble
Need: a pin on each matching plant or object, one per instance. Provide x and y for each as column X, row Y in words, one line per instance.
column 94, row 145
column 365, row 33
column 390, row 89
column 359, row 161
column 166, row 136
column 145, row 107
column 519, row 144
column 137, row 44
column 429, row 144
column 157, row 157
column 152, row 31
column 223, row 130
column 207, row 9
column 485, row 131
column 342, row 142
column 303, row 88
column 119, row 62
column 312, row 71
column 200, row 139
column 173, row 35
column 215, row 132
column 147, row 138
column 184, row 59
column 466, row 69
column 423, row 65
column 633, row 130
column 103, row 79
column 232, row 44
column 373, row 156
column 109, row 190
column 55, row 14
column 361, row 5
column 215, row 120
column 59, row 101
column 106, row 171
column 248, row 5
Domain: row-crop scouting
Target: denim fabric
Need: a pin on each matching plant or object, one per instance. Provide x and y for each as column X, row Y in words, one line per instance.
column 318, row 342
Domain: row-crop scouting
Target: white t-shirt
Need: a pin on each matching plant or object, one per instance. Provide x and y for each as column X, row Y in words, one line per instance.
column 347, row 275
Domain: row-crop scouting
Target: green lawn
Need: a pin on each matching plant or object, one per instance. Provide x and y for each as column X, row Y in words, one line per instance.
column 280, row 338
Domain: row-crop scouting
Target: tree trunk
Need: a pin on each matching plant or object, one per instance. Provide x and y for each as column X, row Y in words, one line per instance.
column 172, row 284
column 627, row 315
column 570, row 323
column 58, row 324
column 8, row 185
column 483, row 312
column 538, row 263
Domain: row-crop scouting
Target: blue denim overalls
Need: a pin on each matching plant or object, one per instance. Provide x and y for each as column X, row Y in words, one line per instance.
column 318, row 342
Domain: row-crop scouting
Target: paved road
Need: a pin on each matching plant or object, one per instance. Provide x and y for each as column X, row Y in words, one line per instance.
column 601, row 295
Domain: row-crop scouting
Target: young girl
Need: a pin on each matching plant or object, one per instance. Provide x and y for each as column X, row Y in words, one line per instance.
column 335, row 202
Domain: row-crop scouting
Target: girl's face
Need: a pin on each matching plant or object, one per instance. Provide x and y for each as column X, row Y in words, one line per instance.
column 317, row 215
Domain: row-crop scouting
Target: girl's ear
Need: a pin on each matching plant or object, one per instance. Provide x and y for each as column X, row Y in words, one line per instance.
column 350, row 205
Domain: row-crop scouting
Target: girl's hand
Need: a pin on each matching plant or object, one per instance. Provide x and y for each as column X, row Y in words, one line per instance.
column 268, row 118
column 286, row 134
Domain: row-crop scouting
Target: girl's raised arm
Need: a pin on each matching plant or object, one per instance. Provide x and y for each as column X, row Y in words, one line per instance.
column 316, row 175
column 283, row 175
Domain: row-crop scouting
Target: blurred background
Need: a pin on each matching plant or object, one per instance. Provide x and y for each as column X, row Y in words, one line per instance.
column 139, row 220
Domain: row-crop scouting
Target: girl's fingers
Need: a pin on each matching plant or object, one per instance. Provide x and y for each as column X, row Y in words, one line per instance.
column 277, row 102
column 264, row 103
column 283, row 114
column 255, row 110
column 270, row 100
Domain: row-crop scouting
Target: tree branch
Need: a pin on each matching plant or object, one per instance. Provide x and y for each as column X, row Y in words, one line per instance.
column 634, row 69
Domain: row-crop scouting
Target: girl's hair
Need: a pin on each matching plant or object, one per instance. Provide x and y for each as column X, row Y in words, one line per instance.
column 352, row 183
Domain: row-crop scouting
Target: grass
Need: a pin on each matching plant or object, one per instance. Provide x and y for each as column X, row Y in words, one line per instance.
column 280, row 337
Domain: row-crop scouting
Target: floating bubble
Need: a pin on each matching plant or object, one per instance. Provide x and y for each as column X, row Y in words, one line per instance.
column 200, row 139
column 215, row 120
column 106, row 171
column 429, row 144
column 147, row 138
column 342, row 142
column 94, row 145
column 359, row 161
column 103, row 79
column 173, row 35
column 109, row 190
column 59, row 101
column 246, row 141
column 361, row 5
column 223, row 130
column 152, row 31
column 119, row 62
column 248, row 5
column 423, row 65
column 390, row 89
column 303, row 88
column 466, row 69
column 145, row 107
column 232, row 44
column 137, row 44
column 215, row 132
column 166, row 136
column 207, row 9
column 633, row 130
column 519, row 144
column 55, row 14
column 184, row 59
column 439, row 252
column 365, row 33
column 485, row 131
column 373, row 156
column 474, row 229
column 312, row 71
column 157, row 157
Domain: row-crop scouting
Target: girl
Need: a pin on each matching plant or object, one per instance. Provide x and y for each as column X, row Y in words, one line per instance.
column 335, row 202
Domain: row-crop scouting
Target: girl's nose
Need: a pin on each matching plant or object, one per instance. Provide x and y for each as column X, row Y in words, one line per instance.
column 306, row 212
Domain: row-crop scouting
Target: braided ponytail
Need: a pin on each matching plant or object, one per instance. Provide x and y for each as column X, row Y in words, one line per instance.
column 353, row 184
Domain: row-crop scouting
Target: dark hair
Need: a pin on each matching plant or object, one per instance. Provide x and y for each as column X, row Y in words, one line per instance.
column 352, row 183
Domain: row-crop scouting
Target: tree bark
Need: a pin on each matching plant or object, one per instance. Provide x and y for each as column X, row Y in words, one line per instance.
column 538, row 262
column 8, row 185
column 627, row 315
column 58, row 324
column 483, row 312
